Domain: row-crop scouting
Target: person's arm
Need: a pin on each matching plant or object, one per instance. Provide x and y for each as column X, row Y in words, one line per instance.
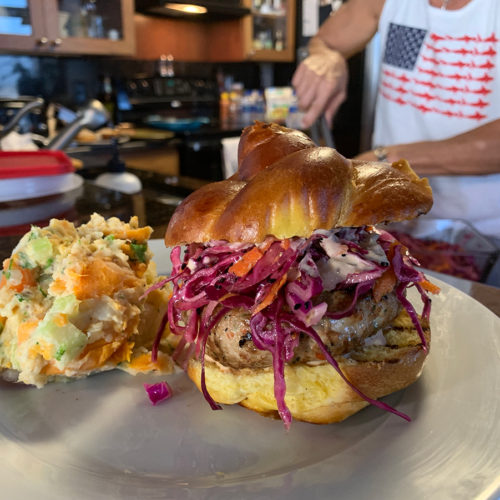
column 472, row 153
column 320, row 81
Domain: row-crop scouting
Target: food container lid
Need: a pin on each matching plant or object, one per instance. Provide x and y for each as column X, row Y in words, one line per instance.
column 20, row 164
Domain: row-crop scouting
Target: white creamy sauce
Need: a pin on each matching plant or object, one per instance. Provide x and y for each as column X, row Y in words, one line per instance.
column 375, row 251
column 336, row 269
column 342, row 263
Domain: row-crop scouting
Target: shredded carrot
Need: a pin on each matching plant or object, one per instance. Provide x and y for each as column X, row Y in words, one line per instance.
column 25, row 329
column 51, row 369
column 136, row 234
column 143, row 363
column 384, row 284
column 57, row 287
column 98, row 278
column 271, row 295
column 27, row 279
column 60, row 319
column 430, row 287
column 248, row 260
column 97, row 354
column 123, row 353
column 43, row 348
column 285, row 244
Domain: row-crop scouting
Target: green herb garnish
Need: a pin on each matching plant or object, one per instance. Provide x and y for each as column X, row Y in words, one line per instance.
column 49, row 263
column 60, row 353
column 24, row 261
column 139, row 250
column 7, row 273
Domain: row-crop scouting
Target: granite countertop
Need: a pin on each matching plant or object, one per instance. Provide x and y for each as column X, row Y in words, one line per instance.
column 154, row 207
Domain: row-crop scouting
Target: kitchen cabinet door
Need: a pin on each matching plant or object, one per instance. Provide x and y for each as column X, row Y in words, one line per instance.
column 270, row 30
column 21, row 25
column 267, row 34
column 91, row 26
column 66, row 27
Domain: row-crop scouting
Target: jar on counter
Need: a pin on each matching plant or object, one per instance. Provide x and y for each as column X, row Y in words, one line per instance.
column 235, row 100
column 224, row 107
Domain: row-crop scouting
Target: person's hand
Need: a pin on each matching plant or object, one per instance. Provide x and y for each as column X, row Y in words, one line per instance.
column 368, row 156
column 320, row 82
column 386, row 154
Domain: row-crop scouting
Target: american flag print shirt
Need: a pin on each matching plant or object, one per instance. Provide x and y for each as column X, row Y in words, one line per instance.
column 439, row 72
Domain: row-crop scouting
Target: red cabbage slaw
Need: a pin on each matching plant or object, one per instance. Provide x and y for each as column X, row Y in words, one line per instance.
column 204, row 289
column 158, row 392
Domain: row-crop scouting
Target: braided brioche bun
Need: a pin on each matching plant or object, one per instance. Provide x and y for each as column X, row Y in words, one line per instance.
column 317, row 393
column 285, row 186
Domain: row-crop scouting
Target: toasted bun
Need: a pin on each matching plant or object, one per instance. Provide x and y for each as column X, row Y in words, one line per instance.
column 285, row 186
column 317, row 394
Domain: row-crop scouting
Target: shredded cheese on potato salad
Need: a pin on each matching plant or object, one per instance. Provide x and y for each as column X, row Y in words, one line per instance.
column 71, row 302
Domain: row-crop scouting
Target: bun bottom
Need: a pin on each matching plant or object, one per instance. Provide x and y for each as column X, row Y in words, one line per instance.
column 316, row 393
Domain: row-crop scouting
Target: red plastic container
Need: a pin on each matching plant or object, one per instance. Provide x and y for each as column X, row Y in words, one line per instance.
column 14, row 164
column 35, row 174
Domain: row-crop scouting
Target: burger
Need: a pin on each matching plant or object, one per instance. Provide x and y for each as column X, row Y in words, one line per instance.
column 288, row 298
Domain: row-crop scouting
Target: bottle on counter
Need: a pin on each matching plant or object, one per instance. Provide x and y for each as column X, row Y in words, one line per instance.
column 259, row 106
column 107, row 96
column 235, row 97
column 246, row 108
column 224, row 107
column 295, row 115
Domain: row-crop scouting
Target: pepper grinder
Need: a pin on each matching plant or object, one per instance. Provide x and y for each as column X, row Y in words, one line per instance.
column 116, row 176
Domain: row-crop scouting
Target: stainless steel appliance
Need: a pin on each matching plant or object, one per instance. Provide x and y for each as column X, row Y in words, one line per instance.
column 187, row 106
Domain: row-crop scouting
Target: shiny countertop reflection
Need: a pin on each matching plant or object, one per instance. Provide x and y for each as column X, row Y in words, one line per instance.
column 153, row 208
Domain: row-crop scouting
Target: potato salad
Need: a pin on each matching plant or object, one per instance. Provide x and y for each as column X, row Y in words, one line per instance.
column 73, row 302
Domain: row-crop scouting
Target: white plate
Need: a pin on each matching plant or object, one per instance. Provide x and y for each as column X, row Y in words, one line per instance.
column 101, row 438
column 25, row 188
column 41, row 209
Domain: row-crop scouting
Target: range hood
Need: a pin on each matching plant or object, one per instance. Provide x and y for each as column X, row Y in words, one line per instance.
column 213, row 9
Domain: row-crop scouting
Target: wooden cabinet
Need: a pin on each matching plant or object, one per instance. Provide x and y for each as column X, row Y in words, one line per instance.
column 269, row 31
column 266, row 35
column 67, row 26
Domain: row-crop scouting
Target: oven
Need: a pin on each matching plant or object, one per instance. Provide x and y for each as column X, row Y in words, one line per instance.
column 187, row 106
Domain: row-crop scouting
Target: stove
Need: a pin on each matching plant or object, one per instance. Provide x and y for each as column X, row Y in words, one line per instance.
column 171, row 98
column 187, row 106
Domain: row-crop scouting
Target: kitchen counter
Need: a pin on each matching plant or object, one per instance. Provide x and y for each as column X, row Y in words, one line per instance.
column 196, row 153
column 154, row 206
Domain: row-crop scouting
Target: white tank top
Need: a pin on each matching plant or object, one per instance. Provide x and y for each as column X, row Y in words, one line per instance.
column 439, row 77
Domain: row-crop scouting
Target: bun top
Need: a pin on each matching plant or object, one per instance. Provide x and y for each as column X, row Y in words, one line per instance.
column 286, row 186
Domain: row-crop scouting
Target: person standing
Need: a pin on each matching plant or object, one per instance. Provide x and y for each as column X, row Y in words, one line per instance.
column 438, row 101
